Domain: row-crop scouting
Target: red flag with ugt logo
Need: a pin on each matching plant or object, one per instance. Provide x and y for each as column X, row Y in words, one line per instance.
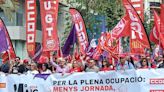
column 31, row 26
column 138, row 38
column 49, row 14
column 139, row 7
column 80, row 30
column 162, row 26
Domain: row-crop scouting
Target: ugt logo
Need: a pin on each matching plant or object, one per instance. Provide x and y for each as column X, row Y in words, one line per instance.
column 24, row 88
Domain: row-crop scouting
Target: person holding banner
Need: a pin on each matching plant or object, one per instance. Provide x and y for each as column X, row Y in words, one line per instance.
column 106, row 66
column 61, row 67
column 45, row 69
column 92, row 66
column 130, row 59
column 144, row 63
column 76, row 67
column 123, row 64
column 33, row 69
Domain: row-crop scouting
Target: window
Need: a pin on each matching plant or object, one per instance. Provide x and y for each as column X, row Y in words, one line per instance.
column 155, row 4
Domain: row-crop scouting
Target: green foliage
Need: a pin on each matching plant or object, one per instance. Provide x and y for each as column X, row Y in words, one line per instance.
column 148, row 24
column 65, row 23
column 90, row 9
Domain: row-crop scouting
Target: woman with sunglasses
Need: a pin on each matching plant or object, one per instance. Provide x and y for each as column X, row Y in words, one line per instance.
column 60, row 65
column 76, row 67
column 144, row 63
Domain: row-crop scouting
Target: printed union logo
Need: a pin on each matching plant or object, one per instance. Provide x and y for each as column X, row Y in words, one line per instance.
column 2, row 85
column 25, row 88
column 156, row 90
column 30, row 47
column 50, row 44
column 157, row 81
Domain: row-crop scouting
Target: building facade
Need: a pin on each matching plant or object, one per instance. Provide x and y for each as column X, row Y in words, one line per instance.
column 149, row 6
column 16, row 28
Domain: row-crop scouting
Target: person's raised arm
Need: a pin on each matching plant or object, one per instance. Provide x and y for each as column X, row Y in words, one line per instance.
column 52, row 61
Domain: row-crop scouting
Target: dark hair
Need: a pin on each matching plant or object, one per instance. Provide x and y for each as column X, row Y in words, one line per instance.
column 131, row 61
column 95, row 61
column 46, row 65
column 5, row 67
column 21, row 69
column 142, row 62
column 18, row 57
column 107, row 63
column 39, row 66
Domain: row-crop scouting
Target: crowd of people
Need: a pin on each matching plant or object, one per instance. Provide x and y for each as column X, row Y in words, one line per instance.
column 81, row 63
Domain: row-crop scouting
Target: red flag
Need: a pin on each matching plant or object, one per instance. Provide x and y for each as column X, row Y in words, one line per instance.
column 99, row 49
column 139, row 7
column 76, row 53
column 31, row 19
column 102, row 40
column 80, row 30
column 157, row 23
column 46, row 54
column 49, row 13
column 139, row 40
column 162, row 26
column 122, row 28
column 154, row 34
column 111, row 45
column 97, row 53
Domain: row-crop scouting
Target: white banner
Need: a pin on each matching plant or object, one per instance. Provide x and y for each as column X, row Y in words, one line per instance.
column 144, row 80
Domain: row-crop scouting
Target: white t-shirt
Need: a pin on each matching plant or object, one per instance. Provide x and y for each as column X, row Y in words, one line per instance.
column 46, row 72
column 33, row 72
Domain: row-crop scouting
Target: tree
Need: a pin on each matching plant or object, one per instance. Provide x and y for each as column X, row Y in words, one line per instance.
column 92, row 9
column 8, row 7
